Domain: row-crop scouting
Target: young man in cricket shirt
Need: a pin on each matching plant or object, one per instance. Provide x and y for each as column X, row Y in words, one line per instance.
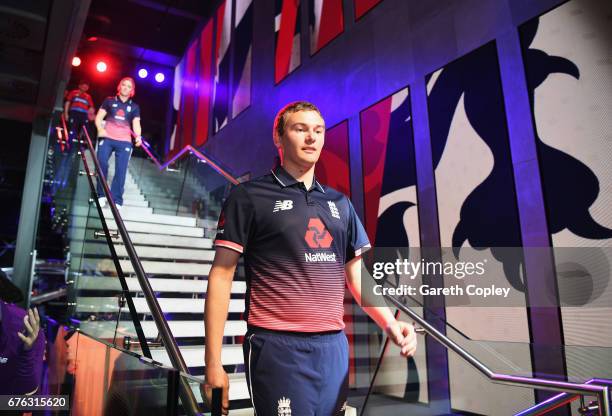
column 302, row 243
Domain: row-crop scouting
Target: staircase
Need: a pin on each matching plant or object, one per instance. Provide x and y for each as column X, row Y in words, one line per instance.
column 176, row 253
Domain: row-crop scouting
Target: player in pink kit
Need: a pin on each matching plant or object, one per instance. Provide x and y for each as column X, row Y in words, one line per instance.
column 122, row 116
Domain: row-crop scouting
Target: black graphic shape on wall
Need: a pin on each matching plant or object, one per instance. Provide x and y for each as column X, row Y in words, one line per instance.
column 570, row 186
column 488, row 216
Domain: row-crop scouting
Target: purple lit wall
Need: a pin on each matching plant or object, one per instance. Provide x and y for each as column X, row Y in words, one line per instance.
column 333, row 169
column 459, row 116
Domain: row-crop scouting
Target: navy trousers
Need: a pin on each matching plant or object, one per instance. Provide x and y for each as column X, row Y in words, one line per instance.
column 123, row 152
column 297, row 374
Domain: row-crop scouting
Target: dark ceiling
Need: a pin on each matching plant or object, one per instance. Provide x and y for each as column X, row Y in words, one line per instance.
column 150, row 30
column 38, row 39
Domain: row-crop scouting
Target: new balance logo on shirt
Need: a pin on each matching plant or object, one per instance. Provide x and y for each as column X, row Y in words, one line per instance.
column 284, row 205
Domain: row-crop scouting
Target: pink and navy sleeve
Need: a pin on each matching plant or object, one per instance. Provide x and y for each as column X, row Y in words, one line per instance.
column 358, row 242
column 236, row 221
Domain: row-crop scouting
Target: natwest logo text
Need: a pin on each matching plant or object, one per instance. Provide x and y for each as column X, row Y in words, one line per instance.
column 319, row 257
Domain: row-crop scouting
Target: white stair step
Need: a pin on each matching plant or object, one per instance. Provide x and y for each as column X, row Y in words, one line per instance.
column 144, row 252
column 129, row 211
column 179, row 329
column 164, row 267
column 194, row 355
column 159, row 285
column 143, row 227
column 130, row 215
column 150, row 252
column 106, row 265
column 134, row 203
column 170, row 240
column 133, row 198
column 133, row 195
column 158, row 240
column 131, row 186
column 168, row 305
column 159, row 193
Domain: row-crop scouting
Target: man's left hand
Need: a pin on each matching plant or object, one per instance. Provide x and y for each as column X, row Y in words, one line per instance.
column 31, row 323
column 404, row 336
column 138, row 141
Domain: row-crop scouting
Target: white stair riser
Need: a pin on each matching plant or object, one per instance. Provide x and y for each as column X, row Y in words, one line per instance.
column 133, row 203
column 146, row 252
column 129, row 215
column 150, row 267
column 180, row 329
column 168, row 305
column 86, row 283
column 142, row 227
column 161, row 229
column 194, row 357
column 169, row 240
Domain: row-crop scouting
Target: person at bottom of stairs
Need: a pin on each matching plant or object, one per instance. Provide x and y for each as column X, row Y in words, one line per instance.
column 302, row 243
column 122, row 116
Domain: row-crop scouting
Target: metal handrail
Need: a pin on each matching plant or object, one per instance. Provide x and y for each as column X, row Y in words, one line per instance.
column 557, row 401
column 601, row 392
column 187, row 397
column 549, row 404
column 121, row 276
column 187, row 149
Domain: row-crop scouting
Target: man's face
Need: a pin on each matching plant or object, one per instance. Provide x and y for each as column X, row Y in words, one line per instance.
column 126, row 87
column 303, row 139
column 84, row 87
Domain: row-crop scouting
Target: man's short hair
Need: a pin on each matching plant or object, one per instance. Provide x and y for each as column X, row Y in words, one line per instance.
column 294, row 107
column 84, row 81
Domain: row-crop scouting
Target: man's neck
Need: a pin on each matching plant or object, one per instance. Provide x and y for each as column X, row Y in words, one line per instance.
column 301, row 173
column 123, row 99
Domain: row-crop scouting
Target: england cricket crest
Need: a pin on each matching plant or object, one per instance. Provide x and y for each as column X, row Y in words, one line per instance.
column 284, row 407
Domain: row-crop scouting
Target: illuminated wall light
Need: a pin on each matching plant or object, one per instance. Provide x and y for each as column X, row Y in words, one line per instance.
column 143, row 73
column 76, row 61
column 159, row 77
column 101, row 66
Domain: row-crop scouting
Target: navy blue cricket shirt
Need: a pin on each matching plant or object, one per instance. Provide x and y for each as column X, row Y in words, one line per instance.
column 296, row 243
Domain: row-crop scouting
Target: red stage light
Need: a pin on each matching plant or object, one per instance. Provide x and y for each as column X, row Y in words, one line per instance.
column 101, row 66
column 76, row 61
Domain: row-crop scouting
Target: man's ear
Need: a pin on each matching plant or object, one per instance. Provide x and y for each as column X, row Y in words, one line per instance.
column 277, row 140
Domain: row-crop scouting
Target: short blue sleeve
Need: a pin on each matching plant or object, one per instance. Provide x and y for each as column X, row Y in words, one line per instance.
column 106, row 105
